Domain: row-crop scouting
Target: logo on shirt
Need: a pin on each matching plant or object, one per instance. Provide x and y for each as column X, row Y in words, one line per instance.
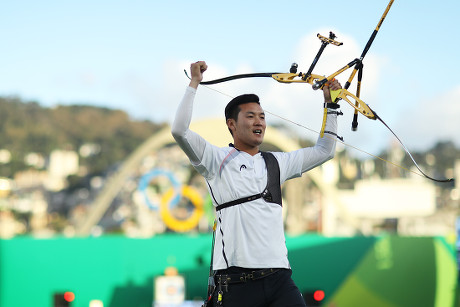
column 242, row 166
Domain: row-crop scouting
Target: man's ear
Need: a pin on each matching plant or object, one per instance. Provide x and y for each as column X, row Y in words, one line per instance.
column 231, row 124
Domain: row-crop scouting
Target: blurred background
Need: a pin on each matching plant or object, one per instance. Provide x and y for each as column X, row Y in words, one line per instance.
column 99, row 206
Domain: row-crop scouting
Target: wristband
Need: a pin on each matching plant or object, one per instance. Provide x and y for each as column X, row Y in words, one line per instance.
column 331, row 105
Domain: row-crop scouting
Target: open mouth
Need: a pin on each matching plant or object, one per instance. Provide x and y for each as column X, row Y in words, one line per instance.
column 257, row 131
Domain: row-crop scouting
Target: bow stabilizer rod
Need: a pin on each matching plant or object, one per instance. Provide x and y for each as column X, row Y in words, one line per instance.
column 325, row 41
column 377, row 28
column 359, row 65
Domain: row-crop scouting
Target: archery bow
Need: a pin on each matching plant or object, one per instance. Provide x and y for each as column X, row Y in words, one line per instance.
column 318, row 82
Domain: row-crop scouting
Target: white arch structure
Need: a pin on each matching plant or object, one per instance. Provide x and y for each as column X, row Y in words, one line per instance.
column 216, row 132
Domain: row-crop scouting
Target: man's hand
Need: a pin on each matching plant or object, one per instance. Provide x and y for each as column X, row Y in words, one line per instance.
column 328, row 87
column 196, row 70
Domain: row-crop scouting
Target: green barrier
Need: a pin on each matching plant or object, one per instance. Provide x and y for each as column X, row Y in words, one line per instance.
column 120, row 271
column 401, row 272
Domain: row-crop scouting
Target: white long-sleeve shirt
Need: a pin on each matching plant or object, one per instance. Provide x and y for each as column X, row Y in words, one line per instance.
column 249, row 235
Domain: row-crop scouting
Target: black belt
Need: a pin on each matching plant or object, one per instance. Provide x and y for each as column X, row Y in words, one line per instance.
column 243, row 277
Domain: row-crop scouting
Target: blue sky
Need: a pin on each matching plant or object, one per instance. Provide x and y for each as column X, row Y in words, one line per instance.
column 131, row 55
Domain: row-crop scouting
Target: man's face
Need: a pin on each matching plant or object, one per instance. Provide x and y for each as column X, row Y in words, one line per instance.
column 249, row 130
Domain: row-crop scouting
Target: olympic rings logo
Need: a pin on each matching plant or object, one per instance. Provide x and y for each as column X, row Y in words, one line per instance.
column 171, row 198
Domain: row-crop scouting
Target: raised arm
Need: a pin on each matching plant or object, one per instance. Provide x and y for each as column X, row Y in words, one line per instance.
column 191, row 143
column 324, row 148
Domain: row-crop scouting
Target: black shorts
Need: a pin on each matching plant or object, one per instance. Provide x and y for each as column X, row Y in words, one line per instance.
column 275, row 290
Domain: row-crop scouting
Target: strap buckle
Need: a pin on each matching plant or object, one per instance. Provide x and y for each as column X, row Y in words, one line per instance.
column 222, row 282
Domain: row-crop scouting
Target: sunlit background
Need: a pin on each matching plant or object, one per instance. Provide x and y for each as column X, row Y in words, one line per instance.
column 98, row 201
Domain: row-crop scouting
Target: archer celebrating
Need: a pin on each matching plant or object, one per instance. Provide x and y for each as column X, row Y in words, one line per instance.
column 250, row 255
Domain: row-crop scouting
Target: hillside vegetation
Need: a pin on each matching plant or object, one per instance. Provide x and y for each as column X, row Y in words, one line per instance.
column 27, row 127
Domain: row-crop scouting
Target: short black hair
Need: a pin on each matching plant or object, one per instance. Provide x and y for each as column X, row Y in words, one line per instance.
column 232, row 109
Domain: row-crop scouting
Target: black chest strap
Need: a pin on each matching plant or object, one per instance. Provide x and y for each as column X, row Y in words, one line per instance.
column 271, row 193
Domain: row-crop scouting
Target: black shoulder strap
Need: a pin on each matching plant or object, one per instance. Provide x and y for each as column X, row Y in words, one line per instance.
column 271, row 193
column 273, row 190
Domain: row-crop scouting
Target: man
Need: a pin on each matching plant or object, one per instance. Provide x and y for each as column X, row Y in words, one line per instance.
column 250, row 254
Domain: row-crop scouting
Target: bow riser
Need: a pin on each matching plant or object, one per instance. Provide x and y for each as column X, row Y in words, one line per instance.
column 296, row 78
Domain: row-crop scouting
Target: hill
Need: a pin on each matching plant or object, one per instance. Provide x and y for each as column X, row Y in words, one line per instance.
column 27, row 127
